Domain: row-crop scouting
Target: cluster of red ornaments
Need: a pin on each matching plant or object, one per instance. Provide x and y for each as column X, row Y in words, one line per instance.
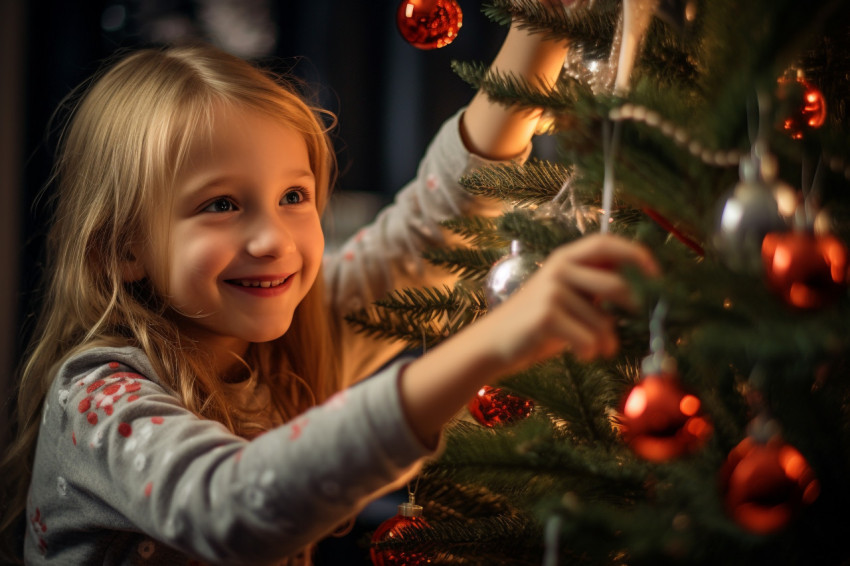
column 764, row 482
column 807, row 270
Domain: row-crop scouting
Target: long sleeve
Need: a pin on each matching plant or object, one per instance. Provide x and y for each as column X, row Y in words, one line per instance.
column 387, row 254
column 121, row 466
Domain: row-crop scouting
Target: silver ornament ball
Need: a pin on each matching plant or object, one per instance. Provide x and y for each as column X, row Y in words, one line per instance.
column 744, row 218
column 509, row 274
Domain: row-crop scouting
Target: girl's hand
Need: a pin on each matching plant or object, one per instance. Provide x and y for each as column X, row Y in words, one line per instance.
column 561, row 307
column 558, row 309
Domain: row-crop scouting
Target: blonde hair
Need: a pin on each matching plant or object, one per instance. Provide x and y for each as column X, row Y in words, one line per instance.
column 125, row 142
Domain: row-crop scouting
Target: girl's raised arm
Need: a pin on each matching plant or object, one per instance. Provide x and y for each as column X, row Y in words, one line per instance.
column 495, row 131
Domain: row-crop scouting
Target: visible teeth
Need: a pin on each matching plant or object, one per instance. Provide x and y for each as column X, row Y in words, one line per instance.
column 265, row 284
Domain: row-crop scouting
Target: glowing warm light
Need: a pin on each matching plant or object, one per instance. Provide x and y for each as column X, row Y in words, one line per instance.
column 408, row 10
column 800, row 295
column 698, row 427
column 781, row 261
column 836, row 258
column 689, row 405
column 636, row 403
column 792, row 462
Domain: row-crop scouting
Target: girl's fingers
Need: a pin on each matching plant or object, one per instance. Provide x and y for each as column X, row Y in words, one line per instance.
column 611, row 252
column 599, row 284
column 599, row 324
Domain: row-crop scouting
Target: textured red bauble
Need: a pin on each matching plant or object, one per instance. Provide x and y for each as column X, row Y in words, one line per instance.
column 493, row 406
column 806, row 270
column 660, row 421
column 765, row 484
column 429, row 24
column 409, row 517
column 810, row 113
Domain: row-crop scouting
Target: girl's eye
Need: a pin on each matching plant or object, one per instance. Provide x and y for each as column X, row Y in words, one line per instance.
column 294, row 196
column 220, row 205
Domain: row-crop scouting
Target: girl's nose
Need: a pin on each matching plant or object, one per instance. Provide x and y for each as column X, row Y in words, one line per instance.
column 269, row 237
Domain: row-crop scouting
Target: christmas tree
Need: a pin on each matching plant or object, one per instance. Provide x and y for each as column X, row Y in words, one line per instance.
column 715, row 132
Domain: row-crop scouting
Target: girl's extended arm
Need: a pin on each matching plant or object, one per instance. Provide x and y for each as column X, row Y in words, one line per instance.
column 495, row 131
column 557, row 310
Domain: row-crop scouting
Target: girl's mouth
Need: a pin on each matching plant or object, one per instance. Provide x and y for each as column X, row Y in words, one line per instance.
column 256, row 283
column 265, row 287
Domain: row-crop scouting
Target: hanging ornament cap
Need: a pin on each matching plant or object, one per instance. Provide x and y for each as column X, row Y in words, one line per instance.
column 410, row 509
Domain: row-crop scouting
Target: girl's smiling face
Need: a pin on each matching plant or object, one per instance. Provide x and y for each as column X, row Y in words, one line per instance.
column 244, row 236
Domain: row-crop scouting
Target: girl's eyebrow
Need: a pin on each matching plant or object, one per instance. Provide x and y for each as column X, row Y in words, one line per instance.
column 225, row 178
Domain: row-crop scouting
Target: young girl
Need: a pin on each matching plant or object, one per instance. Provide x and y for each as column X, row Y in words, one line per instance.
column 184, row 398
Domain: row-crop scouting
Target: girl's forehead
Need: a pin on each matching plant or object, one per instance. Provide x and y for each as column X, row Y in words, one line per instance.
column 232, row 128
column 242, row 139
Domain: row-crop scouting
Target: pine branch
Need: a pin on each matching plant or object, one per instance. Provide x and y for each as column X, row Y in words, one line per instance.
column 488, row 540
column 481, row 232
column 534, row 183
column 579, row 395
column 420, row 317
column 468, row 263
column 589, row 25
column 432, row 302
column 537, row 234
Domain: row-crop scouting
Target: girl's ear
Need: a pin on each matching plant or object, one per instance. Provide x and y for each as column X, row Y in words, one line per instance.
column 133, row 269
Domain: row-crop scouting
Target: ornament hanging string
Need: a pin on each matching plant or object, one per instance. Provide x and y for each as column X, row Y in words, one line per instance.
column 552, row 539
column 411, row 491
column 654, row 362
column 810, row 185
column 610, row 143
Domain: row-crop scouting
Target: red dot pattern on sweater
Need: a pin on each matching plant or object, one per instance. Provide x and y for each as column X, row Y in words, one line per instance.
column 297, row 426
column 39, row 526
column 105, row 393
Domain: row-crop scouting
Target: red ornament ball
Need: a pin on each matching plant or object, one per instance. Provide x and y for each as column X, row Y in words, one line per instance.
column 806, row 270
column 765, row 484
column 429, row 24
column 493, row 406
column 809, row 113
column 409, row 517
column 661, row 421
